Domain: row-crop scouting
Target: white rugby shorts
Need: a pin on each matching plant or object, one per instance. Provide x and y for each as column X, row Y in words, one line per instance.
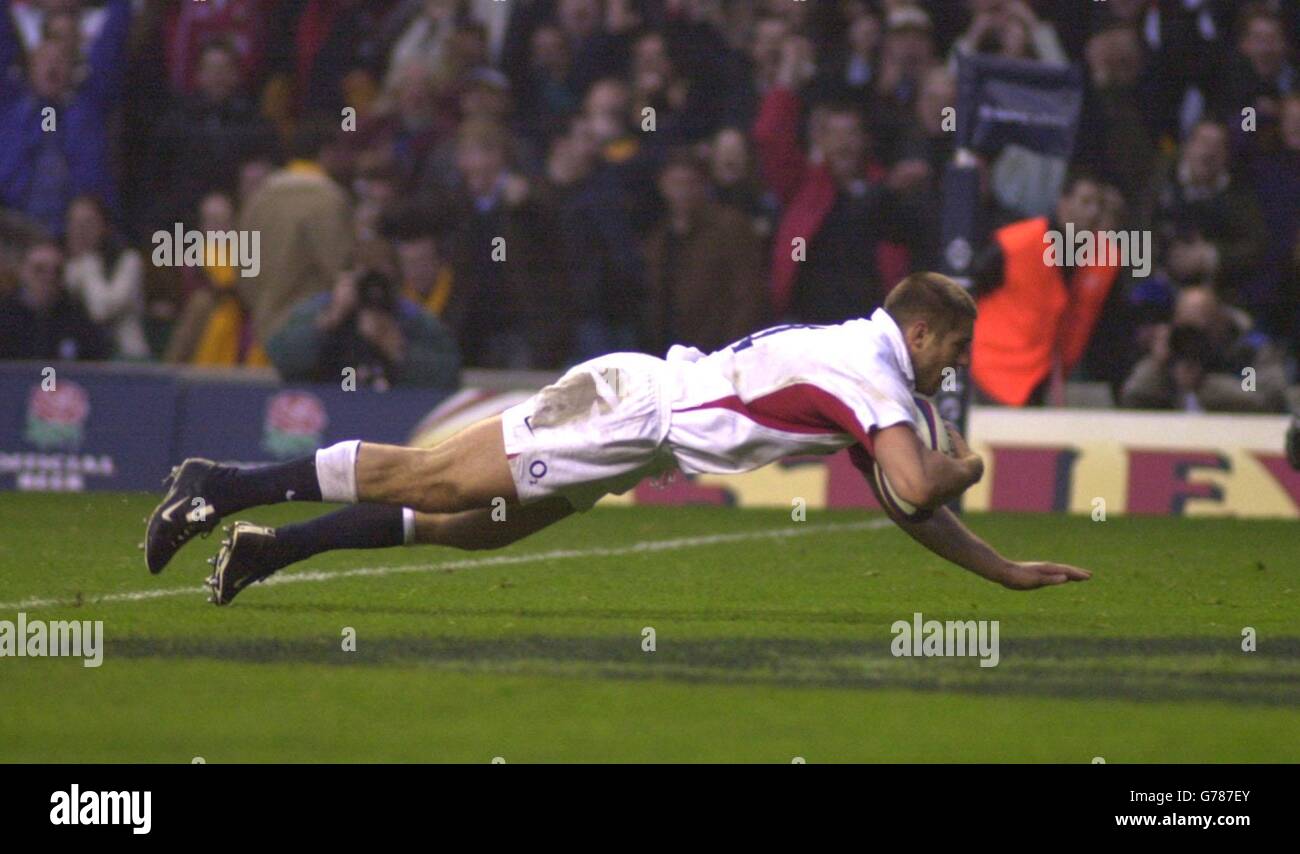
column 598, row 430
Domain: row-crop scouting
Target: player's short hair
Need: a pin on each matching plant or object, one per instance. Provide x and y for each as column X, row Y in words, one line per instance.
column 931, row 297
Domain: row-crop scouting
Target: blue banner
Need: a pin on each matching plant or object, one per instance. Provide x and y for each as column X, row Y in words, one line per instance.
column 68, row 429
column 1004, row 101
column 73, row 428
column 246, row 423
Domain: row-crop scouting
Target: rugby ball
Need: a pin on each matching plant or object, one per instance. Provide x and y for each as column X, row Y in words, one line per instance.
column 929, row 427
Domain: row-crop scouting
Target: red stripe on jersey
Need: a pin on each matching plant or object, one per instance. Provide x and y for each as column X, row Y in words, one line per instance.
column 799, row 408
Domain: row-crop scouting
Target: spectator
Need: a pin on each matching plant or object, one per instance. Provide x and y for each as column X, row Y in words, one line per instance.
column 1183, row 57
column 376, row 190
column 735, row 182
column 1122, row 333
column 1210, row 359
column 40, row 320
column 551, row 93
column 214, row 327
column 190, row 27
column 622, row 150
column 925, row 153
column 599, row 47
column 425, row 28
column 54, row 127
column 17, row 232
column 1260, row 73
column 36, row 21
column 1025, row 183
column 406, row 124
column 106, row 276
column 334, row 60
column 1208, row 223
column 484, row 96
column 852, row 69
column 601, row 262
column 679, row 112
column 305, row 225
column 1275, row 293
column 1117, row 136
column 364, row 324
column 906, row 55
column 1036, row 319
column 252, row 174
column 508, row 306
column 204, row 138
column 838, row 211
column 64, row 28
column 702, row 257
column 762, row 62
column 1011, row 30
column 423, row 236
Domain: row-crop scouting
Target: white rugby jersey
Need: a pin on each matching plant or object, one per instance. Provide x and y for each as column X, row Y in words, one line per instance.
column 786, row 391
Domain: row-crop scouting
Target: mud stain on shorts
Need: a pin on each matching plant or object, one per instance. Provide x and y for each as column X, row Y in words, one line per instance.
column 573, row 396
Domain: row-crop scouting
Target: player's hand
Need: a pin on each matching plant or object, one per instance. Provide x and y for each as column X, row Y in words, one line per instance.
column 959, row 447
column 1028, row 575
column 962, row 452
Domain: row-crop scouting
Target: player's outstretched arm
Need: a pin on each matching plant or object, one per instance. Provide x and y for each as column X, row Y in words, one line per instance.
column 945, row 535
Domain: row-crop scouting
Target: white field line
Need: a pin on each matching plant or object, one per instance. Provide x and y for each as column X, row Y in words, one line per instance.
column 643, row 547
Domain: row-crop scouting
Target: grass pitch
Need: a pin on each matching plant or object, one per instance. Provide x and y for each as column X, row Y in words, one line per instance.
column 772, row 642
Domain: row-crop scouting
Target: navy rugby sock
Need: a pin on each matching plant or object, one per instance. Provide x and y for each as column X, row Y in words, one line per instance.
column 359, row 526
column 236, row 488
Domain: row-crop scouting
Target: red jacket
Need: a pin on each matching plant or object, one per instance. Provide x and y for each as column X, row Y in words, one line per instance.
column 807, row 193
column 1033, row 321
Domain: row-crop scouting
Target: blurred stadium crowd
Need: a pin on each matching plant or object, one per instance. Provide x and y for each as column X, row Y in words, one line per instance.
column 524, row 184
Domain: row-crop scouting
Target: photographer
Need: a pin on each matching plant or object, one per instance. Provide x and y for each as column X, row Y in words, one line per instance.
column 364, row 324
column 1199, row 362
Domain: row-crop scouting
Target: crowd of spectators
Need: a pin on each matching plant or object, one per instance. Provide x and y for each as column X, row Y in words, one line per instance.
column 528, row 183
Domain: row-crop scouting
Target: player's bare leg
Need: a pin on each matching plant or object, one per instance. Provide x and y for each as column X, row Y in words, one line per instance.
column 252, row 553
column 467, row 471
column 476, row 530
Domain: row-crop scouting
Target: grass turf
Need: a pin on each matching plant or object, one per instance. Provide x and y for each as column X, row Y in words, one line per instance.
column 772, row 641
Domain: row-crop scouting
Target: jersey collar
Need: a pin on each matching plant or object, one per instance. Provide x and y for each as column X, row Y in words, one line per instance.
column 894, row 337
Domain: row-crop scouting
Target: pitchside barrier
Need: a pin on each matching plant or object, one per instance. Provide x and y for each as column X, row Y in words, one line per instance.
column 76, row 427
